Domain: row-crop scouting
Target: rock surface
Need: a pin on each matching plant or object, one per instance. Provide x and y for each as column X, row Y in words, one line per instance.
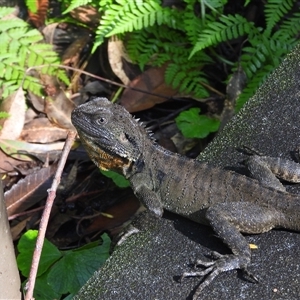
column 148, row 264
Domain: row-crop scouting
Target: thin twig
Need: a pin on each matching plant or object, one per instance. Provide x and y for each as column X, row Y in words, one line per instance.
column 45, row 217
column 100, row 78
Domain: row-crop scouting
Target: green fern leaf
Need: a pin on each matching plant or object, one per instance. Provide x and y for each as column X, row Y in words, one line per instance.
column 12, row 23
column 20, row 49
column 171, row 72
column 229, row 27
column 274, row 11
column 33, row 84
column 290, row 27
column 8, row 87
column 188, row 82
column 4, row 11
column 127, row 16
column 76, row 3
column 193, row 25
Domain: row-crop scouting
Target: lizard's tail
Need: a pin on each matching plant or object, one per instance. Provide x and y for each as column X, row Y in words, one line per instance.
column 289, row 207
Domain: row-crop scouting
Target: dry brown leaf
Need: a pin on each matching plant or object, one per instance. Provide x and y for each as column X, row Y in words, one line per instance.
column 15, row 106
column 29, row 190
column 57, row 105
column 71, row 56
column 59, row 112
column 38, row 18
column 115, row 51
column 18, row 228
column 41, row 130
column 121, row 212
column 49, row 32
column 86, row 14
column 151, row 81
column 7, row 163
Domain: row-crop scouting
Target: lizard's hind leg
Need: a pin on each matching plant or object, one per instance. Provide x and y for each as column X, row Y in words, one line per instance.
column 228, row 220
column 265, row 169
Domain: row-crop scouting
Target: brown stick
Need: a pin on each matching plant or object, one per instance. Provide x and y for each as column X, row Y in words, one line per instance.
column 45, row 217
column 100, row 78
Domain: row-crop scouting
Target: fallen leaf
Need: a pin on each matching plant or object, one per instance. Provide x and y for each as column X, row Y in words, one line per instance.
column 38, row 16
column 29, row 191
column 72, row 54
column 41, row 130
column 120, row 212
column 57, row 105
column 12, row 147
column 151, row 81
column 115, row 51
column 86, row 14
column 7, row 163
column 17, row 229
column 15, row 106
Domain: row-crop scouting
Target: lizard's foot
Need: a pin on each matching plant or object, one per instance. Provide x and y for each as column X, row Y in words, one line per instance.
column 222, row 263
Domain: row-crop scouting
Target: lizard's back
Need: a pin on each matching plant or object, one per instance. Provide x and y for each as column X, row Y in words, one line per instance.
column 188, row 187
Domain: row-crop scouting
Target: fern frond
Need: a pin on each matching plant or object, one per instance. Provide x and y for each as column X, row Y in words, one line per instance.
column 274, row 11
column 193, row 25
column 12, row 23
column 290, row 27
column 264, row 50
column 8, row 87
column 76, row 3
column 127, row 16
column 21, row 48
column 227, row 28
column 253, row 58
column 186, row 80
column 155, row 47
column 4, row 11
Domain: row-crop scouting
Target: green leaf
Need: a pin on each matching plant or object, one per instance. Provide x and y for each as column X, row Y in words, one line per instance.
column 4, row 11
column 4, row 114
column 193, row 125
column 26, row 245
column 42, row 289
column 75, row 4
column 76, row 267
column 118, row 179
column 32, row 5
column 225, row 29
column 21, row 47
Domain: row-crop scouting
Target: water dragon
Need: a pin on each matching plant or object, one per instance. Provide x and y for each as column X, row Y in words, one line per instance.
column 229, row 202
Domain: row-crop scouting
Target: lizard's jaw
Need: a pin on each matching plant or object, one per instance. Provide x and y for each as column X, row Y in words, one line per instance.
column 105, row 160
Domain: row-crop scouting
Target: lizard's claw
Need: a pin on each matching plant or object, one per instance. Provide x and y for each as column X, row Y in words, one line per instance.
column 222, row 263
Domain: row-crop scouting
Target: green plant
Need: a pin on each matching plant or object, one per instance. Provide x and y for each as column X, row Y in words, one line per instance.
column 117, row 178
column 60, row 272
column 193, row 125
column 188, row 37
column 22, row 48
column 265, row 48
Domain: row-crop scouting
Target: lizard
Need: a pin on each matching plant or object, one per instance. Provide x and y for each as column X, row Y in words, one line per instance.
column 229, row 202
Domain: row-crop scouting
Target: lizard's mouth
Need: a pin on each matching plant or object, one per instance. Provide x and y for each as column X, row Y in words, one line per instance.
column 106, row 144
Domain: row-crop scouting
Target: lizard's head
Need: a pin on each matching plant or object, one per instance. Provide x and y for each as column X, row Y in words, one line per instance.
column 113, row 138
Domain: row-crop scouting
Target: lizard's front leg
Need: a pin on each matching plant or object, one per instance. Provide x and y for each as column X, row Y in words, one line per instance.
column 146, row 195
column 228, row 220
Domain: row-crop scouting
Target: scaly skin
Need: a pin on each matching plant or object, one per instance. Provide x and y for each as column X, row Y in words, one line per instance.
column 230, row 203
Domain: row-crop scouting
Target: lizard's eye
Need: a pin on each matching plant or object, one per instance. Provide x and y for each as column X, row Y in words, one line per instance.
column 101, row 121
